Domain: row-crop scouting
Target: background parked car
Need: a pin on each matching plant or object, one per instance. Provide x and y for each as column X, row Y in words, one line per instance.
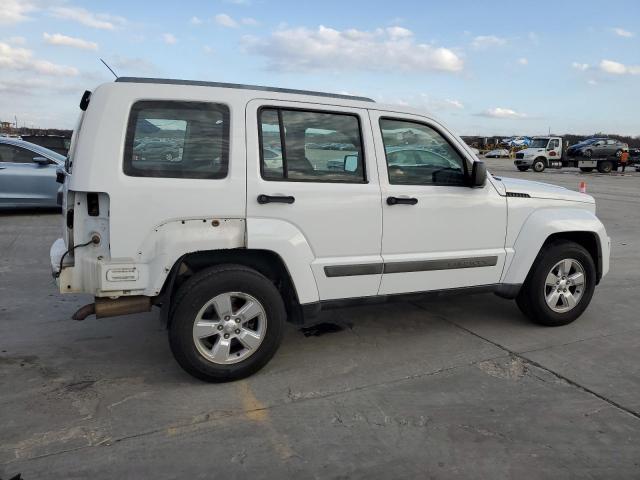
column 28, row 175
column 57, row 143
column 498, row 153
column 599, row 148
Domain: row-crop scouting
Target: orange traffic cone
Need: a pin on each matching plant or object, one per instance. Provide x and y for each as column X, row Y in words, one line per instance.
column 582, row 186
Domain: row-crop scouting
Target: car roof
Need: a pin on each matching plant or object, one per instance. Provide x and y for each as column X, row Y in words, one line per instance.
column 50, row 154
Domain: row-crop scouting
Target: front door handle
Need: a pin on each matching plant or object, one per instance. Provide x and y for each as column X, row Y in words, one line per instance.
column 262, row 199
column 401, row 201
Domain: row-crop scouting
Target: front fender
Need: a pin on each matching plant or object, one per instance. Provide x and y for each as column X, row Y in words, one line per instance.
column 539, row 226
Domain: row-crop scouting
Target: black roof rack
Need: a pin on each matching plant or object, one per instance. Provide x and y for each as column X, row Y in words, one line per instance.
column 198, row 83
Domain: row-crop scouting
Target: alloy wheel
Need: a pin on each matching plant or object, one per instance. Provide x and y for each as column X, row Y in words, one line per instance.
column 229, row 328
column 565, row 285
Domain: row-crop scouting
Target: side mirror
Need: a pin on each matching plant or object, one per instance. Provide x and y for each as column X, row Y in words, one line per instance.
column 478, row 175
column 350, row 163
column 41, row 161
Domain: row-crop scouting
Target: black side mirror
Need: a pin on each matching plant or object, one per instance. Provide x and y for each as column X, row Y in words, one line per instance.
column 478, row 175
column 41, row 161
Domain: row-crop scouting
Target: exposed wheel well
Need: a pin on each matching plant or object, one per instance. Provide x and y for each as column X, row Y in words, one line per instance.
column 589, row 240
column 268, row 263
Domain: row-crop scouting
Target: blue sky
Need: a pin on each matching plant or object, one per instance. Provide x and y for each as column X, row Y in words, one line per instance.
column 482, row 67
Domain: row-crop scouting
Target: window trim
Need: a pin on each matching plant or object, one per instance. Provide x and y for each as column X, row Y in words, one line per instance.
column 363, row 180
column 440, row 132
column 127, row 158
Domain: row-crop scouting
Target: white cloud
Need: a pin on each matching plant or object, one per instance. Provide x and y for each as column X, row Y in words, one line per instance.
column 239, row 2
column 21, row 59
column 485, row 41
column 393, row 48
column 499, row 112
column 133, row 65
column 208, row 50
column 169, row 38
column 195, row 21
column 101, row 21
column 580, row 66
column 63, row 40
column 14, row 11
column 523, row 61
column 533, row 38
column 592, row 82
column 16, row 40
column 617, row 68
column 225, row 20
column 454, row 103
column 249, row 21
column 621, row 32
column 31, row 86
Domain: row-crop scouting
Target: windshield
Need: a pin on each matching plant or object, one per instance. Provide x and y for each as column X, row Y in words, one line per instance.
column 539, row 143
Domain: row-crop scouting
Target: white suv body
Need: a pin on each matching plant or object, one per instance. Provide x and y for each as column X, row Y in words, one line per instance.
column 327, row 197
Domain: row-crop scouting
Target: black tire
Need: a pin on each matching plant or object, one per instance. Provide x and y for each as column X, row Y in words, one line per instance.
column 586, row 169
column 201, row 288
column 523, row 169
column 605, row 167
column 538, row 165
column 531, row 299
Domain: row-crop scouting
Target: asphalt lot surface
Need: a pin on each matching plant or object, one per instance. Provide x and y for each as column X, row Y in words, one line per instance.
column 452, row 387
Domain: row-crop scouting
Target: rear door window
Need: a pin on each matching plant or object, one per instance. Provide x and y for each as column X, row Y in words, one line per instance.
column 311, row 146
column 177, row 140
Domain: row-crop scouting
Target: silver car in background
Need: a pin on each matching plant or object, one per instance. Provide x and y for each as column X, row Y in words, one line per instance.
column 28, row 175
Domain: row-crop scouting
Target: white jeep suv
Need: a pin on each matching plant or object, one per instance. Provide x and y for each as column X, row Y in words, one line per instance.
column 237, row 208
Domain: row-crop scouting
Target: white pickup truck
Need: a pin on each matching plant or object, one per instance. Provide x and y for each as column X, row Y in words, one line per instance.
column 238, row 208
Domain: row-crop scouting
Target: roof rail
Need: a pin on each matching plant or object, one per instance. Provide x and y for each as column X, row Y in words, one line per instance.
column 198, row 83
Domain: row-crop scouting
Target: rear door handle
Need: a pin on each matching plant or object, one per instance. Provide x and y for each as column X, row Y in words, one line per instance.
column 401, row 201
column 262, row 199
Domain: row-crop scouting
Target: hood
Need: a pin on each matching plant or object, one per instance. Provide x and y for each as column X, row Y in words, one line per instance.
column 544, row 190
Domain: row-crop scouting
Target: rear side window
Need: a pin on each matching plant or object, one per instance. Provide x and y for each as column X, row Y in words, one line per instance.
column 13, row 154
column 177, row 140
column 311, row 146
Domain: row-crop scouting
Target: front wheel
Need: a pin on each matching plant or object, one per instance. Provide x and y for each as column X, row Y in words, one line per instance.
column 560, row 284
column 523, row 169
column 227, row 324
column 538, row 165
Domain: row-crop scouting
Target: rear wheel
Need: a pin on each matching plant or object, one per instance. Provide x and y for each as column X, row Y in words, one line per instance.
column 538, row 165
column 227, row 324
column 523, row 169
column 586, row 169
column 605, row 167
column 560, row 284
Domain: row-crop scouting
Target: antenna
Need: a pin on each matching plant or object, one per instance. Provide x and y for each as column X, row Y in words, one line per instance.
column 110, row 69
